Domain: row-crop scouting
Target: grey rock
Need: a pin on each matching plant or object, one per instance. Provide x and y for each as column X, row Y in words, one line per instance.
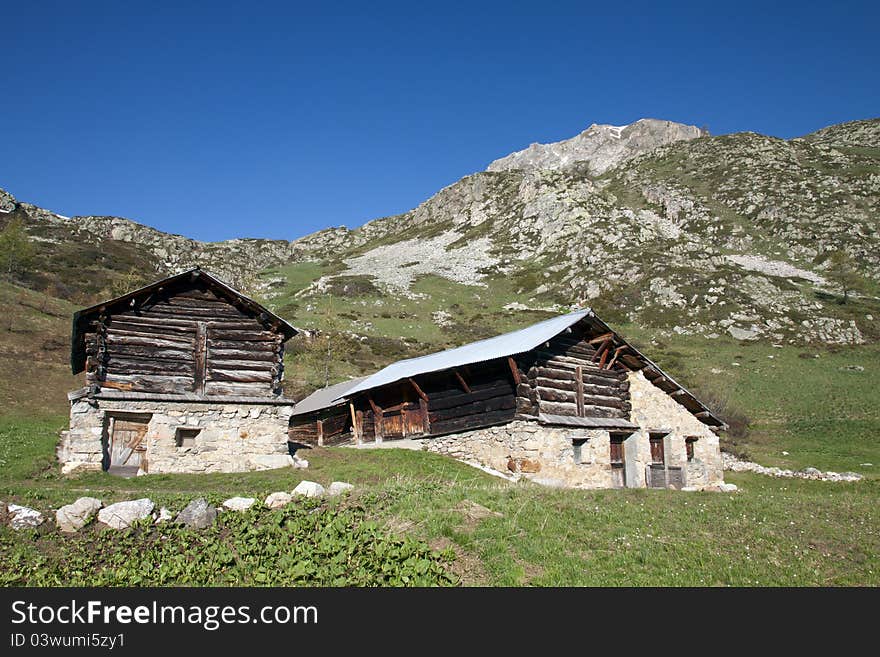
column 727, row 488
column 24, row 517
column 164, row 515
column 601, row 146
column 309, row 489
column 339, row 487
column 198, row 514
column 73, row 517
column 122, row 514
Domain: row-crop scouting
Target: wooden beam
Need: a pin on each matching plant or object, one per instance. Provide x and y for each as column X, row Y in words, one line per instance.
column 616, row 354
column 377, row 419
column 579, row 384
column 462, row 382
column 514, row 369
column 320, row 433
column 606, row 349
column 601, row 351
column 601, row 338
column 419, row 391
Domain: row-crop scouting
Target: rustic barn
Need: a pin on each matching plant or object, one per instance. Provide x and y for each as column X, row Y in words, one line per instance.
column 567, row 401
column 183, row 375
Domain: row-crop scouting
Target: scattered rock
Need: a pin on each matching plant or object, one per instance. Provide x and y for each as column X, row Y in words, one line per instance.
column 853, row 368
column 689, row 489
column 239, row 503
column 727, row 488
column 270, row 461
column 742, row 334
column 309, row 489
column 198, row 514
column 122, row 514
column 735, row 464
column 164, row 515
column 73, row 517
column 339, row 487
column 277, row 500
column 22, row 517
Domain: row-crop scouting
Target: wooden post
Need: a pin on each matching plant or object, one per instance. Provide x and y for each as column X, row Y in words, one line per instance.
column 200, row 359
column 320, row 433
column 377, row 420
column 462, row 382
column 579, row 384
column 514, row 369
column 355, row 430
column 426, row 421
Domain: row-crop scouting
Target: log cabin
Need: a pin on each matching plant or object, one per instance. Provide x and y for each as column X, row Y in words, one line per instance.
column 183, row 375
column 564, row 402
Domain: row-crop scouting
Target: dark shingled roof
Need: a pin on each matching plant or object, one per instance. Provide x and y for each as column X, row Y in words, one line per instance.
column 82, row 317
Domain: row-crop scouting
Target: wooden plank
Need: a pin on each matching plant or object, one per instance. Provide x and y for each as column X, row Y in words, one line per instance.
column 222, row 333
column 514, row 369
column 579, row 383
column 461, row 381
column 242, row 354
column 238, row 389
column 475, row 408
column 232, row 364
column 153, row 353
column 241, row 376
column 605, row 337
column 472, row 422
column 114, row 339
column 134, row 366
column 606, row 377
column 123, row 324
column 271, row 347
column 461, row 399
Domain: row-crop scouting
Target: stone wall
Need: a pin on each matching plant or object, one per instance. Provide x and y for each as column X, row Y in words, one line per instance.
column 653, row 409
column 541, row 453
column 581, row 458
column 232, row 437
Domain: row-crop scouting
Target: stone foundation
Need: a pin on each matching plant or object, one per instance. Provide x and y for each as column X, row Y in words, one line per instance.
column 581, row 458
column 231, row 437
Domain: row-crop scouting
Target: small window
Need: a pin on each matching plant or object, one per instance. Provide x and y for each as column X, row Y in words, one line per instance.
column 578, row 445
column 657, row 452
column 186, row 437
column 689, row 447
column 617, row 451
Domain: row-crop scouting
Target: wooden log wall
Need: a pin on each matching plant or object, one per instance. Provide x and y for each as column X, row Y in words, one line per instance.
column 187, row 340
column 562, row 378
column 327, row 427
column 481, row 395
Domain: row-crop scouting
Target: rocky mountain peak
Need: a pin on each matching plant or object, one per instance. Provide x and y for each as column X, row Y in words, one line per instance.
column 601, row 146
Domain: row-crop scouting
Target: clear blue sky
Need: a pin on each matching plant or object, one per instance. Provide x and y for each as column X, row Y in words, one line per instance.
column 258, row 119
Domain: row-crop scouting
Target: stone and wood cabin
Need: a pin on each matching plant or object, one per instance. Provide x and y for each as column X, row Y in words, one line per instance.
column 566, row 402
column 183, row 375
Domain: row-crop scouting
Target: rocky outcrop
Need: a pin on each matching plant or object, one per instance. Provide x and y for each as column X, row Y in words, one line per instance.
column 602, row 147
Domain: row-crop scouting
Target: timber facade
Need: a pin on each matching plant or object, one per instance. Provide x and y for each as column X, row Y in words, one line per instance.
column 183, row 375
column 568, row 402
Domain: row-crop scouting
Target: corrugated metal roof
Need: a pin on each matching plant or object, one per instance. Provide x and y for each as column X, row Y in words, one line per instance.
column 500, row 346
column 325, row 397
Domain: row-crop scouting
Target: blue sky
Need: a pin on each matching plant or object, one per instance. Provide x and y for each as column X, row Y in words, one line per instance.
column 277, row 119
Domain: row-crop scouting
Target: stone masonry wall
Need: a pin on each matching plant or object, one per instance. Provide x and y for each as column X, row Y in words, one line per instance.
column 653, row 409
column 544, row 454
column 233, row 437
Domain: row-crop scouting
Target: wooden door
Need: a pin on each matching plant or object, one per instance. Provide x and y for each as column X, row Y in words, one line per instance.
column 657, row 455
column 127, row 448
column 618, row 464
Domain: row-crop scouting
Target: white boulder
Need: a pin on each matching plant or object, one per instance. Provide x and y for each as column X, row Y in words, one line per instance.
column 309, row 489
column 339, row 487
column 239, row 503
column 122, row 514
column 22, row 517
column 277, row 500
column 73, row 517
